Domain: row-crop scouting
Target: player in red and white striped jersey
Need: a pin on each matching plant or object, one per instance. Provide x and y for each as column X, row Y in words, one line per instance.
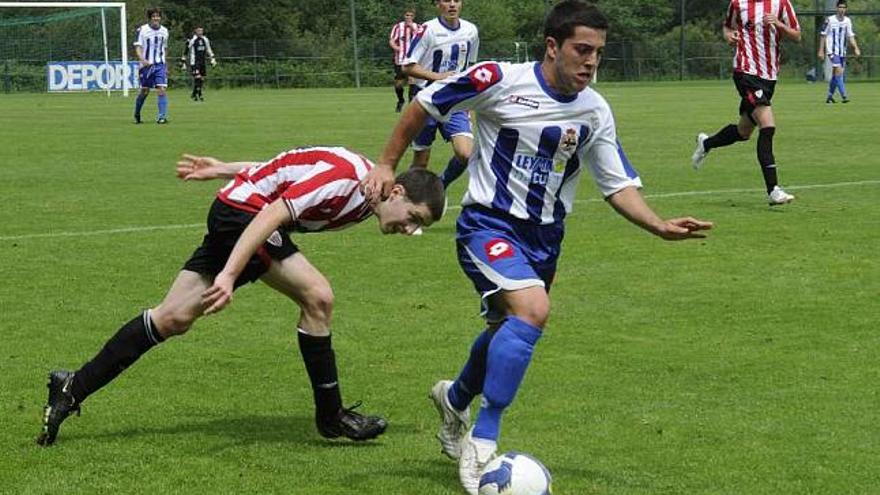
column 400, row 41
column 304, row 190
column 756, row 28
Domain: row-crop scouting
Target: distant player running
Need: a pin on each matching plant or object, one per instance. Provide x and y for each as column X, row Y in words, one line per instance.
column 151, row 42
column 200, row 54
column 541, row 129
column 303, row 190
column 443, row 46
column 756, row 28
column 837, row 34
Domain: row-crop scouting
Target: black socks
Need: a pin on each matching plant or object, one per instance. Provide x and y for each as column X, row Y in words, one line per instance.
column 320, row 361
column 766, row 158
column 130, row 342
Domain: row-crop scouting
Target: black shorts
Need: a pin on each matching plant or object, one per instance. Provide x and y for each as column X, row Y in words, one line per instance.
column 225, row 225
column 754, row 91
column 199, row 69
column 398, row 73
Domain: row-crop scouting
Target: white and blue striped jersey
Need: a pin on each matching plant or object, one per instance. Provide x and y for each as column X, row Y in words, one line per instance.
column 532, row 143
column 153, row 42
column 440, row 48
column 837, row 33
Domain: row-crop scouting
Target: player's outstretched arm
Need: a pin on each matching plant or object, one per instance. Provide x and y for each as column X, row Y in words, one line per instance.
column 193, row 167
column 632, row 206
column 216, row 297
column 377, row 185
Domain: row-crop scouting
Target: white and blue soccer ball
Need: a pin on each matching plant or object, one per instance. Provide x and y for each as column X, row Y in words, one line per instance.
column 515, row 473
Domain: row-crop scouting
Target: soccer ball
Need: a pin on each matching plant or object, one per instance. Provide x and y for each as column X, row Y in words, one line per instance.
column 515, row 473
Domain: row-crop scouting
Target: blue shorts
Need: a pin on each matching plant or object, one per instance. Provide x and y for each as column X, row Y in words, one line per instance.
column 152, row 76
column 499, row 252
column 837, row 60
column 458, row 125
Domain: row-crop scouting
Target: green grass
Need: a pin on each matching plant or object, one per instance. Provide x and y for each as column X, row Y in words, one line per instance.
column 743, row 363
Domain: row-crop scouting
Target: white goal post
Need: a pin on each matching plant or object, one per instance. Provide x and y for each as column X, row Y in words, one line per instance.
column 123, row 30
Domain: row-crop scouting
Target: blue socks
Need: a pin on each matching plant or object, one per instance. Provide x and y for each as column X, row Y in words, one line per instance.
column 836, row 84
column 139, row 103
column 454, row 169
column 470, row 380
column 163, row 106
column 508, row 357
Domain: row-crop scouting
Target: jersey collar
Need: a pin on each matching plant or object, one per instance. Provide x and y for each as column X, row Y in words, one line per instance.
column 447, row 26
column 561, row 98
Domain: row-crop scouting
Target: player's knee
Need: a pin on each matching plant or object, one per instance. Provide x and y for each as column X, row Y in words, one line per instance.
column 535, row 313
column 172, row 322
column 318, row 303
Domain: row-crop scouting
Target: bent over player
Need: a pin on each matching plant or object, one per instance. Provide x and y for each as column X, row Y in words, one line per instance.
column 541, row 128
column 756, row 28
column 304, row 190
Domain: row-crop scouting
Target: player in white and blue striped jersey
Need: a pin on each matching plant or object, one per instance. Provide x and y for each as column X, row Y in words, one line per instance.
column 836, row 35
column 539, row 128
column 443, row 46
column 151, row 43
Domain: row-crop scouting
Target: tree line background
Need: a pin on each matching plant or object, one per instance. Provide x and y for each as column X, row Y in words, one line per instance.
column 300, row 43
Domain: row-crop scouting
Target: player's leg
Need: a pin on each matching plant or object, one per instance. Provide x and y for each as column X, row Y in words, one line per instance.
column 161, row 88
column 174, row 316
column 832, row 83
column 840, row 73
column 139, row 103
column 458, row 130
column 299, row 280
column 194, row 71
column 731, row 133
column 399, row 80
column 763, row 115
column 421, row 145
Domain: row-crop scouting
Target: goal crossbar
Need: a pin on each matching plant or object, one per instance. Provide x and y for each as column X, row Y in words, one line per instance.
column 123, row 29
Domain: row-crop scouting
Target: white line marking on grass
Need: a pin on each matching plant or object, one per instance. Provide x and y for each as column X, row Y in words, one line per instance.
column 149, row 228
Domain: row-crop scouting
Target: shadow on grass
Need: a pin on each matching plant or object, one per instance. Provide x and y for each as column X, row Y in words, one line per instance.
column 231, row 431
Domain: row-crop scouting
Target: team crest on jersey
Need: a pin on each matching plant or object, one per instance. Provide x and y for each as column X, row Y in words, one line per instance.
column 759, row 93
column 497, row 249
column 569, row 140
column 274, row 239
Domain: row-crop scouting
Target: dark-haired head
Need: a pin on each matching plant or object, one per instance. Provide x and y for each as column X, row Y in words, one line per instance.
column 567, row 15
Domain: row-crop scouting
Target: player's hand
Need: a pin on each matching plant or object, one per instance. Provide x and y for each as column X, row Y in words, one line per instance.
column 377, row 185
column 144, row 63
column 219, row 295
column 677, row 229
column 213, row 62
column 444, row 75
column 731, row 37
column 858, row 53
column 821, row 55
column 191, row 167
column 770, row 20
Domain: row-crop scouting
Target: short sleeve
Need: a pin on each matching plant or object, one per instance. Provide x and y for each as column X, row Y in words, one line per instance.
column 461, row 91
column 609, row 165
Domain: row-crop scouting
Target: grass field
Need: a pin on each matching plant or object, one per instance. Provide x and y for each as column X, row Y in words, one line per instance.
column 746, row 363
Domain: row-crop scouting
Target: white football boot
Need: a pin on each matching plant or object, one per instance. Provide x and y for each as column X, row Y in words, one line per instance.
column 779, row 197
column 454, row 424
column 700, row 152
column 475, row 455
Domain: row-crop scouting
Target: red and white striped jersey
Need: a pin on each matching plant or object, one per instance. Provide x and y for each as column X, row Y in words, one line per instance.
column 402, row 34
column 757, row 51
column 319, row 185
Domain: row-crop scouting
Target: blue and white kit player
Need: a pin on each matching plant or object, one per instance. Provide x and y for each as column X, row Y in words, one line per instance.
column 151, row 42
column 443, row 46
column 539, row 128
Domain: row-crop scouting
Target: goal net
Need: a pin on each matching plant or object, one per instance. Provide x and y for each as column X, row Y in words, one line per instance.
column 64, row 47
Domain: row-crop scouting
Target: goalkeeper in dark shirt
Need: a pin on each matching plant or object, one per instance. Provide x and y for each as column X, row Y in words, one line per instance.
column 198, row 54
